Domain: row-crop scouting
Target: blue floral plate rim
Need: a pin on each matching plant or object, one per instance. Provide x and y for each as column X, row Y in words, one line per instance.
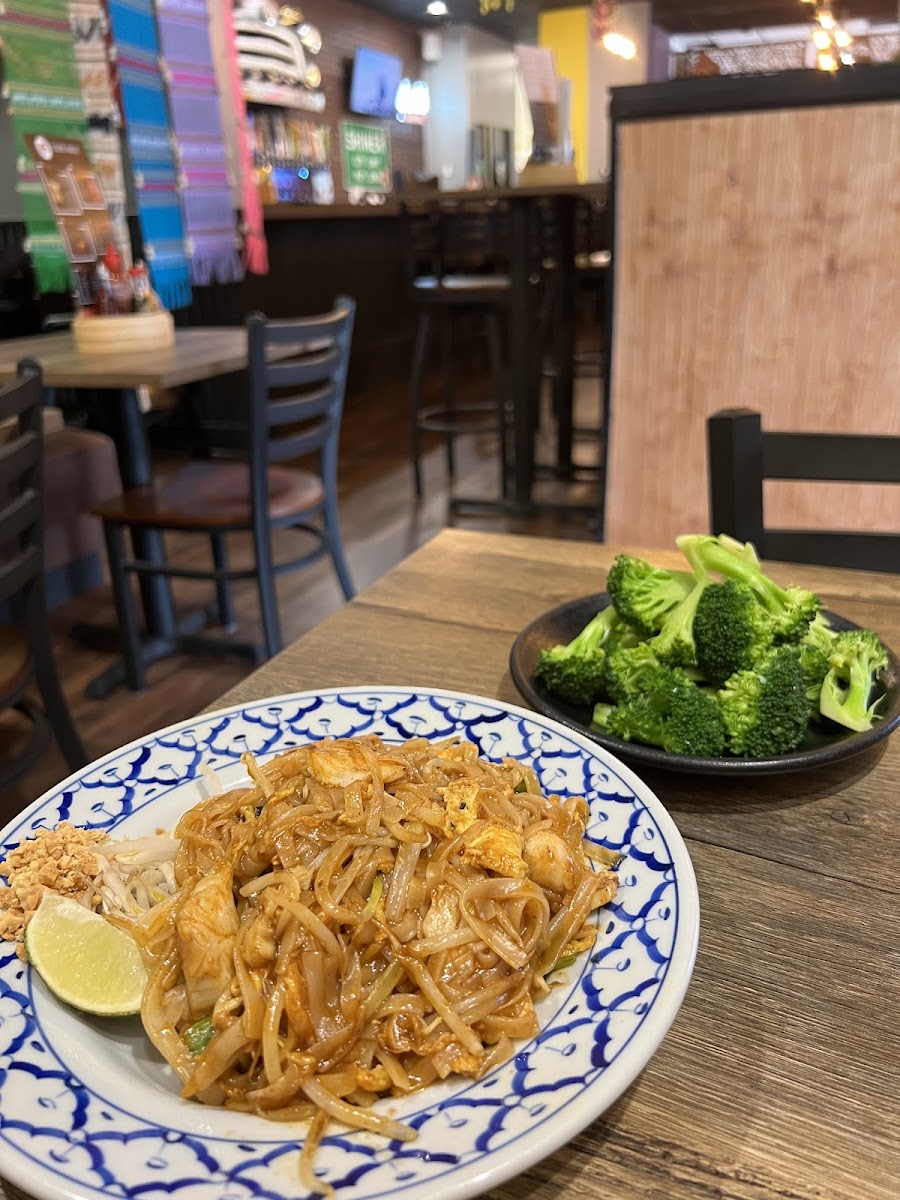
column 483, row 1151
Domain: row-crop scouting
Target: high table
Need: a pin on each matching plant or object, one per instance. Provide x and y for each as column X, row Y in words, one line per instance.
column 779, row 1079
column 524, row 275
column 199, row 353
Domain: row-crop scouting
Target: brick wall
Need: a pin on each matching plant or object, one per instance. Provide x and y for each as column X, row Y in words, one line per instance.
column 345, row 27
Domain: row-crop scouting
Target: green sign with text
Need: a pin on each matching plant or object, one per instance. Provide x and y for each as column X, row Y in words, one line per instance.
column 365, row 157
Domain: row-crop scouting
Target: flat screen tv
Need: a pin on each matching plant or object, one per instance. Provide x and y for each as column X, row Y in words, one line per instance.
column 374, row 83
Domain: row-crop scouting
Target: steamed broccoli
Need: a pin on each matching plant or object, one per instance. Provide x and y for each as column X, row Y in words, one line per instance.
column 820, row 635
column 626, row 668
column 792, row 609
column 731, row 630
column 644, row 595
column 669, row 711
column 814, row 665
column 855, row 659
column 575, row 672
column 765, row 709
column 674, row 644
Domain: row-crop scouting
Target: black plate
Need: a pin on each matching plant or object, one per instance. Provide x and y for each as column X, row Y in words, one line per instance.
column 819, row 747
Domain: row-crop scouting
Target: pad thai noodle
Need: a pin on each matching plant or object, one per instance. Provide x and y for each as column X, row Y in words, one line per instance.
column 360, row 920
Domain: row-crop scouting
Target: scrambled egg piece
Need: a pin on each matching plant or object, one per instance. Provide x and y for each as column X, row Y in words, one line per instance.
column 57, row 860
column 338, row 764
column 497, row 849
column 461, row 803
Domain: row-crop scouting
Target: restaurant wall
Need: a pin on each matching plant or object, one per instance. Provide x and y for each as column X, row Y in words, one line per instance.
column 345, row 27
column 566, row 32
column 607, row 71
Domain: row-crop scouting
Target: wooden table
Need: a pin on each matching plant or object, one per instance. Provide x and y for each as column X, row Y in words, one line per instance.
column 779, row 1078
column 200, row 353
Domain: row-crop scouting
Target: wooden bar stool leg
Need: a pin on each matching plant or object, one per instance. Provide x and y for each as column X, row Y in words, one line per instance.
column 224, row 599
column 420, row 358
column 45, row 672
column 128, row 624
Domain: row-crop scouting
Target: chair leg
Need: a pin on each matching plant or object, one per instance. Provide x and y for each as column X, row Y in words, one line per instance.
column 268, row 594
column 447, row 372
column 128, row 624
column 224, row 599
column 47, row 677
column 336, row 542
column 420, row 358
column 495, row 348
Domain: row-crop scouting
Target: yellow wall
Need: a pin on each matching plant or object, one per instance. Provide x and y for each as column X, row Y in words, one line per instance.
column 566, row 31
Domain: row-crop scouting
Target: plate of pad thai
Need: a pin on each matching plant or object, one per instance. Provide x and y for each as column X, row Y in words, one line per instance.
column 391, row 941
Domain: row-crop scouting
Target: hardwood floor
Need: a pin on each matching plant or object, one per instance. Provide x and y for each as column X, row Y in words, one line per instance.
column 381, row 525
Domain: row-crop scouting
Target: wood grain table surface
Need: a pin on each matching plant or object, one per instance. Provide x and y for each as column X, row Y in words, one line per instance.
column 199, row 353
column 780, row 1078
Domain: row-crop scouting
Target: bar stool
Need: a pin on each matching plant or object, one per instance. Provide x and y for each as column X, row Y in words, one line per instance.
column 455, row 268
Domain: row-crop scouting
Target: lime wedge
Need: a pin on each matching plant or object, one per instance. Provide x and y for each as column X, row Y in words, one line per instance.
column 85, row 960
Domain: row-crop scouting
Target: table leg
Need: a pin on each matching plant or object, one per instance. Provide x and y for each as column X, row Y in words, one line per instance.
column 564, row 333
column 136, row 470
column 522, row 358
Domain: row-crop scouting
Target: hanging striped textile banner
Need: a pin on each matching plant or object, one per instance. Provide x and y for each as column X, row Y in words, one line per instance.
column 256, row 251
column 199, row 142
column 89, row 28
column 43, row 92
column 148, row 133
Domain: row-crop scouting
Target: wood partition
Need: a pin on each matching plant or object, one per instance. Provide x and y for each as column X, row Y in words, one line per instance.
column 757, row 265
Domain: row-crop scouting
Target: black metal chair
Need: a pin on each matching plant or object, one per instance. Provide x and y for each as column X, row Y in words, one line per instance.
column 215, row 498
column 26, row 647
column 741, row 456
column 456, row 268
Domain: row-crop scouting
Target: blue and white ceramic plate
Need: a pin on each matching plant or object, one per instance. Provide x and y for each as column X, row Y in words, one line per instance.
column 88, row 1109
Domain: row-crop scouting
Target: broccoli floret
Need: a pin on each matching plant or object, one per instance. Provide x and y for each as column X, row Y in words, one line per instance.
column 644, row 595
column 814, row 665
column 670, row 712
column 765, row 709
column 792, row 609
column 626, row 668
column 731, row 630
column 856, row 658
column 575, row 672
column 820, row 634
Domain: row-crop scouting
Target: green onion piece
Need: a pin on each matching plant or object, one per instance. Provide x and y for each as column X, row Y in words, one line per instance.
column 521, row 786
column 198, row 1036
column 561, row 963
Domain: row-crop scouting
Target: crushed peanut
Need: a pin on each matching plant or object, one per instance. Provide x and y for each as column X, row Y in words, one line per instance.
column 58, row 860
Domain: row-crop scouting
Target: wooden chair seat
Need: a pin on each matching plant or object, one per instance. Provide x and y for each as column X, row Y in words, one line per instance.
column 213, row 495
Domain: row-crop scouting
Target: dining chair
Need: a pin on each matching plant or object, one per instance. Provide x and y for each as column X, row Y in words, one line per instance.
column 257, row 495
column 741, row 455
column 26, row 645
column 455, row 269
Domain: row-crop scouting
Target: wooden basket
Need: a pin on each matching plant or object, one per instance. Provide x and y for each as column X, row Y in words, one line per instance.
column 124, row 334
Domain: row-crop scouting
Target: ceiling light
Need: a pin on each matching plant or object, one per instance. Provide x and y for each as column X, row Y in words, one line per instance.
column 615, row 43
column 825, row 19
column 842, row 38
column 822, row 39
column 847, row 58
column 827, row 62
column 437, row 8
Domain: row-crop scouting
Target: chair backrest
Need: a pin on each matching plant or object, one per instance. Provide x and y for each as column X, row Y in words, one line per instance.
column 296, row 403
column 455, row 236
column 741, row 456
column 21, row 470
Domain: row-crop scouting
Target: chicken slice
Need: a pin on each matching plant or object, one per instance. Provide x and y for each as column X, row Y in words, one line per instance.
column 461, row 802
column 206, row 926
column 497, row 849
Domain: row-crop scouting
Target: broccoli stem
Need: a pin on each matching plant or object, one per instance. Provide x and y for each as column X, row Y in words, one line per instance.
column 849, row 706
column 595, row 632
column 711, row 555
